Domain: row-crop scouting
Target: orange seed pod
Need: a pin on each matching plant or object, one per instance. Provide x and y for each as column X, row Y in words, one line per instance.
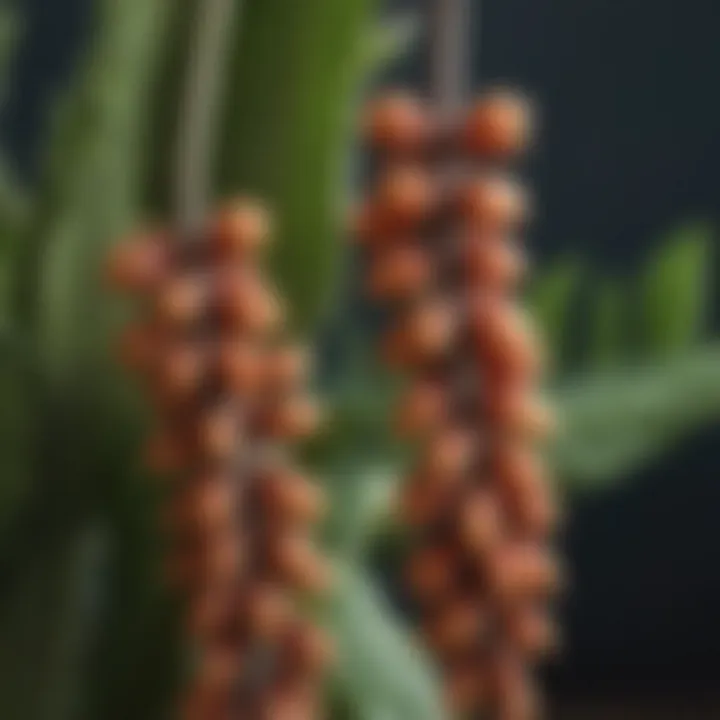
column 493, row 204
column 407, row 195
column 242, row 226
column 138, row 265
column 398, row 123
column 499, row 126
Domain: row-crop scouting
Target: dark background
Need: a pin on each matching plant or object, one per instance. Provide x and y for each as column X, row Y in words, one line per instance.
column 630, row 148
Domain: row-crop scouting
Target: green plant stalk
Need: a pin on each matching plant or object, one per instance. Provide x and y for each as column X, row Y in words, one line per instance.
column 287, row 134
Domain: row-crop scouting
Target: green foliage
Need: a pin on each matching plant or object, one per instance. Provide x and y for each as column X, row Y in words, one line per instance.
column 389, row 42
column 551, row 299
column 674, row 290
column 47, row 625
column 78, row 465
column 9, row 36
column 13, row 204
column 77, row 516
column 607, row 343
column 33, row 633
column 661, row 314
column 622, row 419
column 382, row 671
column 88, row 195
column 295, row 74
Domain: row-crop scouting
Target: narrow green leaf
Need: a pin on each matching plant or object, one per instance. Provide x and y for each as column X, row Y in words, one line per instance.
column 13, row 203
column 551, row 301
column 43, row 630
column 391, row 40
column 360, row 495
column 674, row 290
column 613, row 423
column 616, row 422
column 10, row 33
column 22, row 400
column 89, row 191
column 608, row 324
column 380, row 668
column 135, row 665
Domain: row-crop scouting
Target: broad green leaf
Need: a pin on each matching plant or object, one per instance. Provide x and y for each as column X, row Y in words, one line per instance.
column 614, row 422
column 295, row 79
column 380, row 668
column 551, row 301
column 674, row 290
column 295, row 73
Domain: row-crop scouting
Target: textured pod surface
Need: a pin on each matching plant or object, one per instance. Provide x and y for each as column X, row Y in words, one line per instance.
column 227, row 390
column 441, row 235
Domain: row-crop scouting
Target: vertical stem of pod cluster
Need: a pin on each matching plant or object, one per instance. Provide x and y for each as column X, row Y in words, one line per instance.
column 227, row 389
column 216, row 21
column 449, row 66
column 441, row 236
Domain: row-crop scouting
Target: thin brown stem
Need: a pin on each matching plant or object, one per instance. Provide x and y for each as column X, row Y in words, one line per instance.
column 199, row 110
column 450, row 28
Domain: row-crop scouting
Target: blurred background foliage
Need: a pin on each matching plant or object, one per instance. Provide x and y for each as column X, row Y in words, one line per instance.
column 86, row 629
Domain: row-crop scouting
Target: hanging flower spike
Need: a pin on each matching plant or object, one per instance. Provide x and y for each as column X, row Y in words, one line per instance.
column 228, row 397
column 440, row 232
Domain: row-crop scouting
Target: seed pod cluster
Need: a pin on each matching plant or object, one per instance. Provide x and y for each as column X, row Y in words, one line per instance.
column 440, row 236
column 227, row 391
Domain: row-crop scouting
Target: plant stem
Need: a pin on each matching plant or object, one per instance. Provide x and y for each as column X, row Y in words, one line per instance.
column 199, row 111
column 449, row 61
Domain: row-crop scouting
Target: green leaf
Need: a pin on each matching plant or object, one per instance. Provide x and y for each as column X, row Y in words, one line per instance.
column 608, row 324
column 295, row 78
column 163, row 108
column 135, row 665
column 551, row 301
column 674, row 290
column 360, row 495
column 88, row 196
column 44, row 629
column 13, row 204
column 380, row 668
column 10, row 32
column 296, row 69
column 615, row 422
column 391, row 40
column 21, row 391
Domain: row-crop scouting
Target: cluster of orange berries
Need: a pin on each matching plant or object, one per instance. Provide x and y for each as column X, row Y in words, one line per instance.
column 440, row 234
column 227, row 391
